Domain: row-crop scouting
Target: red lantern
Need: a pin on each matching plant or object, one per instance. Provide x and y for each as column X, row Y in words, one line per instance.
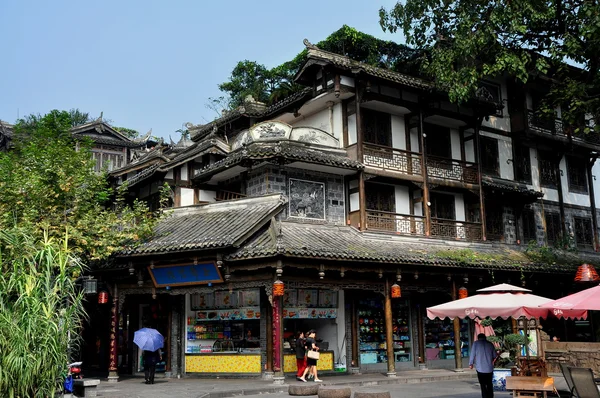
column 396, row 291
column 463, row 293
column 278, row 288
column 586, row 273
column 103, row 297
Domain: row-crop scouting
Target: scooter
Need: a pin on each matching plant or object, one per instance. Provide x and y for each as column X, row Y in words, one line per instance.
column 73, row 372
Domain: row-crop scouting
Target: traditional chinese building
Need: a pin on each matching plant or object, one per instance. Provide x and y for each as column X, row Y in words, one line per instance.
column 348, row 208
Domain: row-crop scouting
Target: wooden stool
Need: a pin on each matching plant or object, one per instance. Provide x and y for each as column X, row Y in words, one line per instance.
column 530, row 386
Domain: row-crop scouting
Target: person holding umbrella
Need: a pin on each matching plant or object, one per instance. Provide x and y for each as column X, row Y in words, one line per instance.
column 150, row 341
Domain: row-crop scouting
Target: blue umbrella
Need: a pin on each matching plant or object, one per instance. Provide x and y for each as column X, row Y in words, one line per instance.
column 148, row 339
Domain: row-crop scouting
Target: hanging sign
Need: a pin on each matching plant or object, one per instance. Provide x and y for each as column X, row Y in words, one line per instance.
column 185, row 274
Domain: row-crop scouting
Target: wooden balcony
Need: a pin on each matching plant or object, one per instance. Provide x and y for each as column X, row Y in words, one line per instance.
column 404, row 224
column 392, row 159
column 458, row 230
column 554, row 126
column 452, row 169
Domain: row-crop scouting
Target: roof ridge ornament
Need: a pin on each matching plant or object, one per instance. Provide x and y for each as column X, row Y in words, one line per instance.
column 309, row 45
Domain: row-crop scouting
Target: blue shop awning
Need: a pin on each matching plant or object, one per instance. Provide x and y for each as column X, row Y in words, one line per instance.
column 185, row 274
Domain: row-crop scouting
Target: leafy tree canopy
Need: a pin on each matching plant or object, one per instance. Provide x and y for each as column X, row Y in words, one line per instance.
column 470, row 40
column 40, row 194
column 127, row 132
column 271, row 85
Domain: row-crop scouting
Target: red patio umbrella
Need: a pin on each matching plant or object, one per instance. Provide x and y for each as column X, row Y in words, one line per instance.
column 588, row 299
column 500, row 301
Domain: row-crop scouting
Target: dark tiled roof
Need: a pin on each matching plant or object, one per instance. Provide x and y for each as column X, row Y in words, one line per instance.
column 283, row 150
column 344, row 62
column 345, row 243
column 213, row 226
column 200, row 132
column 510, row 186
column 142, row 175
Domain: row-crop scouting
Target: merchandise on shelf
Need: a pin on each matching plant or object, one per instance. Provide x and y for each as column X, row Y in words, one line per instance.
column 439, row 339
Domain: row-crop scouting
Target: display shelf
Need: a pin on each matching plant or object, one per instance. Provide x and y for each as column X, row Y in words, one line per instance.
column 439, row 339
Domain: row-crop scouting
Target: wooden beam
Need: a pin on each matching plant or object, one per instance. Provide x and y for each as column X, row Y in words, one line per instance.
column 389, row 338
column 477, row 150
column 426, row 209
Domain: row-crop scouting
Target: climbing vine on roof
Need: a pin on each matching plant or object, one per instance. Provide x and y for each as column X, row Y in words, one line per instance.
column 271, row 85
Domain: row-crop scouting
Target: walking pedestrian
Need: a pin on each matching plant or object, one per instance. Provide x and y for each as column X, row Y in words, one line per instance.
column 311, row 363
column 300, row 354
column 483, row 356
column 151, row 358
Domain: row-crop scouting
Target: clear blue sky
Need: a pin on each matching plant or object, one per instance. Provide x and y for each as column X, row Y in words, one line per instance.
column 153, row 64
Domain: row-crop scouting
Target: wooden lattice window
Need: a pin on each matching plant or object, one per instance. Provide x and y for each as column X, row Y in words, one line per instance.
column 380, row 197
column 548, row 175
column 523, row 164
column 489, row 156
column 553, row 227
column 377, row 127
column 529, row 226
column 577, row 175
column 584, row 236
column 494, row 223
column 438, row 141
column 442, row 206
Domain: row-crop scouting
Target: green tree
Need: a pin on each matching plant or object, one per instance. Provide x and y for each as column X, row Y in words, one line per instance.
column 127, row 132
column 470, row 40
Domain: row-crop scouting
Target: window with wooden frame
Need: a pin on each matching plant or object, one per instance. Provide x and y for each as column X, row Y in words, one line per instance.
column 529, row 226
column 377, row 127
column 494, row 222
column 491, row 92
column 548, row 172
column 490, row 163
column 380, row 197
column 584, row 234
column 522, row 163
column 577, row 175
column 438, row 141
column 442, row 206
column 553, row 227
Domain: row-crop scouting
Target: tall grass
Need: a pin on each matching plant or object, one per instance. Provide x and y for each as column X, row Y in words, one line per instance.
column 40, row 311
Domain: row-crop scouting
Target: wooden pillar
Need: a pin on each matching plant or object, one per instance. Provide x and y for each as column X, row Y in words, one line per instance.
column 389, row 336
column 590, row 179
column 456, row 324
column 113, row 375
column 481, row 196
column 426, row 209
column 421, row 336
column 354, row 334
column 277, row 336
column 559, row 188
column 269, row 321
column 362, row 201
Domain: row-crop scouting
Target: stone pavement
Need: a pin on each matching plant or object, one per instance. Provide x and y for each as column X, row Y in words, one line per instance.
column 408, row 384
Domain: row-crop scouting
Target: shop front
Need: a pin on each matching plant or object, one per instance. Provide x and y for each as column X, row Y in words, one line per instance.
column 440, row 346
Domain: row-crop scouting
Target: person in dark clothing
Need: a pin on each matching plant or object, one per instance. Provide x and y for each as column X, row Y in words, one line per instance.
column 311, row 364
column 151, row 358
column 300, row 355
column 483, row 356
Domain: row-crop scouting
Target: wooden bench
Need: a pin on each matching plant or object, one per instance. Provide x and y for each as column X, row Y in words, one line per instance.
column 530, row 386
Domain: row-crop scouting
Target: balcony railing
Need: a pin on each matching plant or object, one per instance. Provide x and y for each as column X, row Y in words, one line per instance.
column 397, row 223
column 452, row 169
column 452, row 229
column 392, row 159
column 555, row 126
column 227, row 195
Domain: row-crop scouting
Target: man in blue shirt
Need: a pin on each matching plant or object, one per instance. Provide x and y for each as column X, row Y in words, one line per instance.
column 483, row 356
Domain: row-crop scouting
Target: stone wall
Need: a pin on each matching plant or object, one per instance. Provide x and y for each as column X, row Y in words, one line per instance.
column 581, row 355
column 272, row 179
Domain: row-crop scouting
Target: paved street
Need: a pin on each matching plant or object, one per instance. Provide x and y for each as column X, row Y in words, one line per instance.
column 413, row 384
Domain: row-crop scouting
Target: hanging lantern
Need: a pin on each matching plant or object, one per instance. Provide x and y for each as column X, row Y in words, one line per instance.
column 463, row 293
column 103, row 297
column 278, row 288
column 396, row 291
column 586, row 273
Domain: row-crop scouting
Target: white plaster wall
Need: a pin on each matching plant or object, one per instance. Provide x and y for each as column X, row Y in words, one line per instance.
column 470, row 151
column 398, row 132
column 352, row 129
column 354, row 202
column 596, row 181
column 414, row 140
column 347, row 81
column 455, row 142
column 337, row 123
column 402, row 199
column 570, row 197
column 319, row 120
column 184, row 172
column 459, row 207
column 186, row 196
column 169, row 174
column 418, row 206
column 206, row 196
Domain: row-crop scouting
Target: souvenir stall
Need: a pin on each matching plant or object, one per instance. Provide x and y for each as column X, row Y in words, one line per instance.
column 439, row 342
column 371, row 325
column 223, row 332
column 305, row 309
